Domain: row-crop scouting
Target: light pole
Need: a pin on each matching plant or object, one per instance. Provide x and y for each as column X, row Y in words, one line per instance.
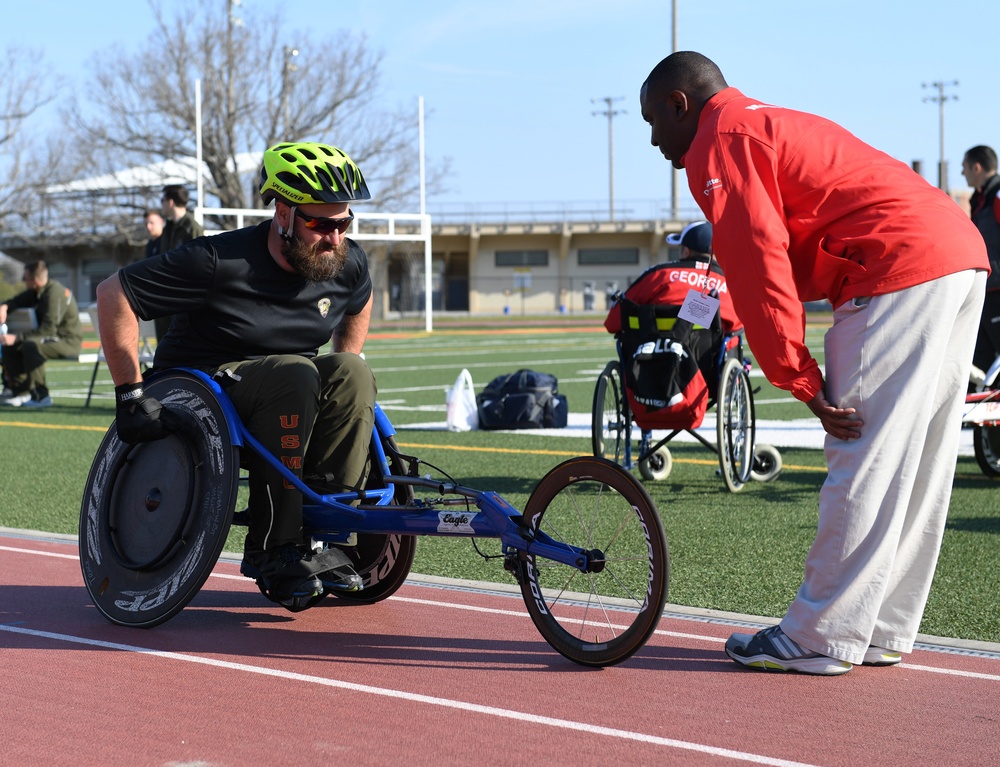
column 289, row 67
column 610, row 113
column 940, row 98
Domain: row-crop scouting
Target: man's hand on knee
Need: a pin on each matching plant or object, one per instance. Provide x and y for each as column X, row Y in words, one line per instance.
column 140, row 418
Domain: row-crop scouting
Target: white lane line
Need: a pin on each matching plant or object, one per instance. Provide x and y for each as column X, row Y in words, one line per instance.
column 502, row 713
column 39, row 553
column 953, row 672
column 523, row 614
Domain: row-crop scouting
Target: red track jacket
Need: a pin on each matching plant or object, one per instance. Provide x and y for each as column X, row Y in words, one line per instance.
column 802, row 210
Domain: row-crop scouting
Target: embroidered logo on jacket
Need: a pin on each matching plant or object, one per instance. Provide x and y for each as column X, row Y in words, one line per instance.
column 713, row 183
column 324, row 306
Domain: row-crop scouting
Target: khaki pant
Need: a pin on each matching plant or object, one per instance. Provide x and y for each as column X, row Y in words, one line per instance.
column 315, row 415
column 902, row 360
column 24, row 363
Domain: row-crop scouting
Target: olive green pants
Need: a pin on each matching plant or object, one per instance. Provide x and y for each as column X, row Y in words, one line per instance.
column 316, row 416
column 24, row 363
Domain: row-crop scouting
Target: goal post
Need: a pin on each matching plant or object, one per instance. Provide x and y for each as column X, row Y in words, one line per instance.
column 366, row 227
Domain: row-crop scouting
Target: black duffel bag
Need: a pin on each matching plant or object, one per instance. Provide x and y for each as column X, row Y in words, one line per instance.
column 526, row 399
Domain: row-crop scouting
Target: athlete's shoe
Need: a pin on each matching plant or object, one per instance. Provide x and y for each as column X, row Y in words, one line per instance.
column 772, row 650
column 17, row 400
column 292, row 572
column 338, row 573
column 45, row 401
column 285, row 573
column 879, row 656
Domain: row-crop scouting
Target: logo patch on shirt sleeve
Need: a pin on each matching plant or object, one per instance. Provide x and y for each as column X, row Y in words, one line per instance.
column 713, row 183
column 324, row 306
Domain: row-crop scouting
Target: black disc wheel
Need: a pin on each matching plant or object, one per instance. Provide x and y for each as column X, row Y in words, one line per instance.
column 604, row 615
column 382, row 560
column 734, row 424
column 155, row 516
column 609, row 422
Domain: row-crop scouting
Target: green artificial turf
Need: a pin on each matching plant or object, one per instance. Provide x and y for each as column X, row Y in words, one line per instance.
column 739, row 552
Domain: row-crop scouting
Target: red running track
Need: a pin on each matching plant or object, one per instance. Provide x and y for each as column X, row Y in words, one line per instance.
column 437, row 676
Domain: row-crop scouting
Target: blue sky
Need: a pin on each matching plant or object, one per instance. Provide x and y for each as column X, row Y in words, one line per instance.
column 508, row 86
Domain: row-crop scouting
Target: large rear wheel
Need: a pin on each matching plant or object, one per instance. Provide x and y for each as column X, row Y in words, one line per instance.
column 734, row 424
column 383, row 560
column 155, row 516
column 604, row 615
column 609, row 425
column 986, row 444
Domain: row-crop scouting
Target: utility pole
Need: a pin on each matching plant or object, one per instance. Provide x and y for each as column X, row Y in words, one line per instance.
column 610, row 113
column 940, row 98
column 674, row 173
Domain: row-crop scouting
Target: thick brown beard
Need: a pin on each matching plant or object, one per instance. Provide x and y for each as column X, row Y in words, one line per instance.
column 317, row 263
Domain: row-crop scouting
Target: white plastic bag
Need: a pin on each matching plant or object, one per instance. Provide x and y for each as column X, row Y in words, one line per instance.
column 463, row 415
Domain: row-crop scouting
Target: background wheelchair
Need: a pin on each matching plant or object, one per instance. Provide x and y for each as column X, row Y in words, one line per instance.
column 649, row 330
column 588, row 552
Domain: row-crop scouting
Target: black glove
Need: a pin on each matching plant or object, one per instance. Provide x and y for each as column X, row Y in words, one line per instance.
column 139, row 418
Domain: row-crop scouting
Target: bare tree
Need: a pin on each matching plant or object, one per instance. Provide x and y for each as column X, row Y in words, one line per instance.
column 258, row 87
column 24, row 89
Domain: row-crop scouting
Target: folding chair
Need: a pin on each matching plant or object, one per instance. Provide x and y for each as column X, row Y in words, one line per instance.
column 147, row 332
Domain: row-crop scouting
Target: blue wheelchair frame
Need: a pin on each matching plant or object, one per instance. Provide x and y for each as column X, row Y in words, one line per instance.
column 330, row 517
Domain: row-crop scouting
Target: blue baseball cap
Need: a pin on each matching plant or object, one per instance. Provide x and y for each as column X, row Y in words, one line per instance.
column 696, row 236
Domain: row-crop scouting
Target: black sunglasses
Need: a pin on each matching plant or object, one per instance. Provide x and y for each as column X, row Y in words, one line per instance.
column 322, row 225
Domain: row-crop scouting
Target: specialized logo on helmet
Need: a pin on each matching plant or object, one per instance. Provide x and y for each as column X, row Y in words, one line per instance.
column 307, row 172
column 324, row 306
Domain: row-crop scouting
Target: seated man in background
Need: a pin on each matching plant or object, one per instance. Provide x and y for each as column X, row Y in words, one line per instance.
column 58, row 335
column 252, row 308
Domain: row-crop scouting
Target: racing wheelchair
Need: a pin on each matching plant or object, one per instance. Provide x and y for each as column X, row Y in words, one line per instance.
column 588, row 551
column 668, row 373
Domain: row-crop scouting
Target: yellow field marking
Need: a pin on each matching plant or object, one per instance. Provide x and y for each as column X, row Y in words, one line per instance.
column 471, row 449
column 64, row 427
column 426, row 446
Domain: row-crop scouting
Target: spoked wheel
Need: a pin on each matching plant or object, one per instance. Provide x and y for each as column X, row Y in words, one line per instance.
column 603, row 616
column 657, row 465
column 734, row 424
column 609, row 422
column 986, row 443
column 155, row 516
column 382, row 560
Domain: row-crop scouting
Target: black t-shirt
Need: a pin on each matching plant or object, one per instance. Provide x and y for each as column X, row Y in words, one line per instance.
column 232, row 302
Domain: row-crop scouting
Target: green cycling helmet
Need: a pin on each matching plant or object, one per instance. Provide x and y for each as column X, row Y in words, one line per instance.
column 301, row 173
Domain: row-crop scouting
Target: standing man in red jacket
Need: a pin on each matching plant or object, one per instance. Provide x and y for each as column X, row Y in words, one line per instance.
column 802, row 210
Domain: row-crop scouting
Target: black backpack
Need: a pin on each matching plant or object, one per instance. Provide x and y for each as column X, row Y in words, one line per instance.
column 526, row 399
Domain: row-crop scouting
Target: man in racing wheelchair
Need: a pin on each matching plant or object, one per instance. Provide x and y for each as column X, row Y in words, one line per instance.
column 252, row 308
